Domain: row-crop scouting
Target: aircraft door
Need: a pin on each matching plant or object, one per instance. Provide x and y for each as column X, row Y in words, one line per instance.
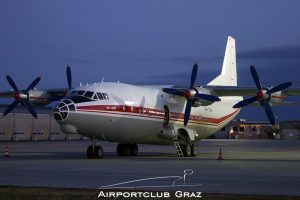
column 166, row 116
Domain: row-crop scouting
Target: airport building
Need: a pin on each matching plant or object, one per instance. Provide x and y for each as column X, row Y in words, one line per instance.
column 20, row 126
column 243, row 129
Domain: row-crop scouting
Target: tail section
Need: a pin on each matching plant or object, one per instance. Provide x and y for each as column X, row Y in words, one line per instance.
column 228, row 76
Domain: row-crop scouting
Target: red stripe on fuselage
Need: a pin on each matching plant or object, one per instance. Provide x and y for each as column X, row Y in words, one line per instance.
column 152, row 113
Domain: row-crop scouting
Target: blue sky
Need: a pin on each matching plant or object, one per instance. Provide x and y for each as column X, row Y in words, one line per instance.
column 149, row 42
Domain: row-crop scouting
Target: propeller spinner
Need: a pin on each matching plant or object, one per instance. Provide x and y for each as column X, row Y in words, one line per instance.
column 263, row 95
column 191, row 94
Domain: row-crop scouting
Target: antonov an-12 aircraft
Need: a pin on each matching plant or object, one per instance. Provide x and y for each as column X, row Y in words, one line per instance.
column 156, row 114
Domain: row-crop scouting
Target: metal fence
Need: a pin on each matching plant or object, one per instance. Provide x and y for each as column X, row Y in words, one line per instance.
column 20, row 127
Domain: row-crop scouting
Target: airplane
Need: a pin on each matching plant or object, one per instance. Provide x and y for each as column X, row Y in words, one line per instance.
column 152, row 114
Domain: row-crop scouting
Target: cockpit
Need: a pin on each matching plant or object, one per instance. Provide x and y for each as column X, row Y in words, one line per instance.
column 62, row 109
column 79, row 94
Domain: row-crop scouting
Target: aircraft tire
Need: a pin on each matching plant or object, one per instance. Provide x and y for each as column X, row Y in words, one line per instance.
column 119, row 149
column 98, row 152
column 134, row 149
column 187, row 150
column 194, row 150
column 89, row 152
column 124, row 149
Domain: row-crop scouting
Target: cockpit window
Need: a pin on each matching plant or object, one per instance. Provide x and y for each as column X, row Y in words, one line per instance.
column 80, row 92
column 100, row 96
column 105, row 96
column 95, row 97
column 89, row 94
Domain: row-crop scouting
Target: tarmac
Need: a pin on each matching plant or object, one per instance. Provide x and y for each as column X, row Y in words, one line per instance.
column 249, row 167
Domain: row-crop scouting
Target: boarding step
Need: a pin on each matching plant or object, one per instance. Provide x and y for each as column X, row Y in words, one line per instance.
column 178, row 148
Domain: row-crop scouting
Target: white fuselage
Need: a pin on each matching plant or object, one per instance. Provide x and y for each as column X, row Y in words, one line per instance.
column 135, row 114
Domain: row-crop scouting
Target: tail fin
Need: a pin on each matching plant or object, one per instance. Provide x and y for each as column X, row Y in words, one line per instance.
column 228, row 76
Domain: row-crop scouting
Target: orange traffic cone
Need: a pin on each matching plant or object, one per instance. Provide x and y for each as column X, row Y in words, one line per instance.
column 6, row 154
column 220, row 155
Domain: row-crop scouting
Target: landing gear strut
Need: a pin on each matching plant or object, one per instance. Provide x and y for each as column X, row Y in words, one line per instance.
column 94, row 151
column 127, row 149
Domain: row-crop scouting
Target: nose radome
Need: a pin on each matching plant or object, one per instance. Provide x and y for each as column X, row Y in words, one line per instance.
column 62, row 109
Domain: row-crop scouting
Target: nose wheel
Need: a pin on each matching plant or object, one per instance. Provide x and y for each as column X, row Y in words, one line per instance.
column 94, row 151
column 97, row 152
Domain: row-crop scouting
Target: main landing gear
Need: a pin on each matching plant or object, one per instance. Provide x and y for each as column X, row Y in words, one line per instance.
column 127, row 149
column 189, row 150
column 185, row 147
column 94, row 151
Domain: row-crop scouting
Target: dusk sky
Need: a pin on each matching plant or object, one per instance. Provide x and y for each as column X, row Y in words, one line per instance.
column 150, row 42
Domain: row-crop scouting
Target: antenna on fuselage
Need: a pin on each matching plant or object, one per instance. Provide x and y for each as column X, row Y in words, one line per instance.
column 102, row 80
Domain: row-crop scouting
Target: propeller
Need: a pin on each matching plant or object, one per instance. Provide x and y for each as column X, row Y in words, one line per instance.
column 69, row 77
column 21, row 96
column 191, row 94
column 263, row 95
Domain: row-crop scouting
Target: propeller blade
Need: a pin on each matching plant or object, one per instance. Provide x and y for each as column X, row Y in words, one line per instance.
column 207, row 97
column 255, row 77
column 173, row 91
column 12, row 83
column 187, row 112
column 33, row 84
column 10, row 107
column 245, row 102
column 280, row 87
column 269, row 112
column 30, row 109
column 69, row 77
column 194, row 75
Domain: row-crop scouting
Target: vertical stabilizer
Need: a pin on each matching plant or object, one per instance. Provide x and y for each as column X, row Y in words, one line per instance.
column 228, row 76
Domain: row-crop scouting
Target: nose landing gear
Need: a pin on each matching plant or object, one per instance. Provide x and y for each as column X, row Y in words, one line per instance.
column 94, row 151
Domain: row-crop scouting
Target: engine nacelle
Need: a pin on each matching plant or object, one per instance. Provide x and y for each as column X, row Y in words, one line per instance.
column 201, row 102
column 38, row 97
column 278, row 98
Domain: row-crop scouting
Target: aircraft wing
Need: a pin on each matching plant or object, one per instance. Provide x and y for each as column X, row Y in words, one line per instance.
column 47, row 96
column 7, row 94
column 245, row 91
column 61, row 92
column 57, row 92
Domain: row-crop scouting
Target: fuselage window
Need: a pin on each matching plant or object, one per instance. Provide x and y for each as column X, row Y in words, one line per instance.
column 105, row 96
column 80, row 92
column 89, row 94
column 99, row 95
